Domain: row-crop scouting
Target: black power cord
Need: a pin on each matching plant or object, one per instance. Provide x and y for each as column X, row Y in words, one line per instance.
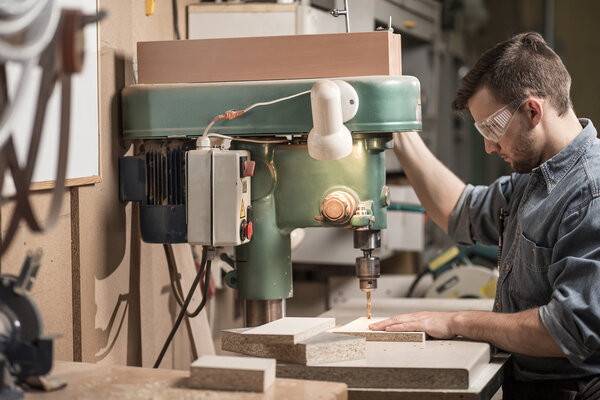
column 174, row 279
column 205, row 265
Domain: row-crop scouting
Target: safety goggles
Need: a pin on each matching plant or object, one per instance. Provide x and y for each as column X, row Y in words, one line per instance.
column 493, row 127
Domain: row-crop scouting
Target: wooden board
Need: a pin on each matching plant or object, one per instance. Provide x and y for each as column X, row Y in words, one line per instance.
column 270, row 57
column 247, row 374
column 440, row 364
column 93, row 381
column 318, row 349
column 289, row 330
column 360, row 327
column 349, row 310
column 485, row 386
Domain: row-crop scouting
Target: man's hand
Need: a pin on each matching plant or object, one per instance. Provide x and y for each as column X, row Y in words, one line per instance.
column 521, row 332
column 435, row 324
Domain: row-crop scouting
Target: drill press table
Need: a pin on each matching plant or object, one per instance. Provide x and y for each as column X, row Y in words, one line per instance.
column 485, row 377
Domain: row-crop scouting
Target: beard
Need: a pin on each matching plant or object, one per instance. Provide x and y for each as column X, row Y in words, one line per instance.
column 525, row 156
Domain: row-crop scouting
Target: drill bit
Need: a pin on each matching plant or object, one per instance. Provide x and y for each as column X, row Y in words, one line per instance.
column 368, row 305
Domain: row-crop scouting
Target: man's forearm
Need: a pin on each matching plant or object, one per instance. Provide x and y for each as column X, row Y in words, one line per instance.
column 436, row 186
column 521, row 332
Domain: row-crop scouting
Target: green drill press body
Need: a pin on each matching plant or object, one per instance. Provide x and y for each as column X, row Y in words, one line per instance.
column 288, row 186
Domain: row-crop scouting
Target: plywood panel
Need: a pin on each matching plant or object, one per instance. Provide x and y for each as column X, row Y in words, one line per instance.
column 265, row 58
column 110, row 249
column 52, row 290
column 441, row 364
column 289, row 330
column 360, row 327
column 159, row 311
column 322, row 348
column 248, row 374
column 352, row 308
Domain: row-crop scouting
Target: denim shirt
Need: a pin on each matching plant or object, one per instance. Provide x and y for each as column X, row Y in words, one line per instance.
column 551, row 251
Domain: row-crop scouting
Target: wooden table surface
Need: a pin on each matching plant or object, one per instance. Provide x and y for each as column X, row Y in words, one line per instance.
column 93, row 381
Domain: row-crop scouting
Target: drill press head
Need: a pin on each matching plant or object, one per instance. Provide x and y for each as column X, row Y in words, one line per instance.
column 367, row 266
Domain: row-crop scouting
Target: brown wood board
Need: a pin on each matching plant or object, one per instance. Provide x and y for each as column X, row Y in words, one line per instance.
column 270, row 58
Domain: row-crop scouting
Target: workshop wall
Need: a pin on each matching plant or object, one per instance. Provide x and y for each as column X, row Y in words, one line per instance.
column 462, row 148
column 575, row 40
column 53, row 286
column 114, row 264
column 576, row 30
column 88, row 287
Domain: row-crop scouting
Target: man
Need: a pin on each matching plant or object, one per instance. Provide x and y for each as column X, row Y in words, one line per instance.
column 547, row 214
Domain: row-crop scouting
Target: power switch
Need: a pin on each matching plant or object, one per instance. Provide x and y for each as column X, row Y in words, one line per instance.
column 246, row 230
column 249, row 230
column 248, row 168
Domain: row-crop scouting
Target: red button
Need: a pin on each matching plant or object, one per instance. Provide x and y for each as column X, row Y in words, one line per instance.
column 249, row 168
column 249, row 231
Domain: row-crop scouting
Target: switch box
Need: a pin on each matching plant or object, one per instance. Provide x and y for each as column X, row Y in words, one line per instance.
column 218, row 197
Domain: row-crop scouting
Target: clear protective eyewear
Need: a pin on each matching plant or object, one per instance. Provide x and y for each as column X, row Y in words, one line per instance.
column 494, row 127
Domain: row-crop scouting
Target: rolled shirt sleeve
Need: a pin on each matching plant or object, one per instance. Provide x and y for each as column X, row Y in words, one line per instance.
column 475, row 217
column 572, row 317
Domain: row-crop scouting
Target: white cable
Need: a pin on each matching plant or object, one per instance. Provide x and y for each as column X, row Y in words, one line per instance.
column 10, row 26
column 255, row 105
column 34, row 46
column 247, row 140
column 266, row 103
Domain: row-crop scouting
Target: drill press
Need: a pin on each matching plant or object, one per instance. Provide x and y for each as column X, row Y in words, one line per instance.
column 367, row 266
column 290, row 189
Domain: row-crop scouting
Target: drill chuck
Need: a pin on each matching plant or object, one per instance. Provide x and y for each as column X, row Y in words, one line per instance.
column 367, row 272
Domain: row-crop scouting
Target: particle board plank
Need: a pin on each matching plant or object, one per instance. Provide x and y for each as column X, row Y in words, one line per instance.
column 360, row 327
column 290, row 330
column 318, row 349
column 440, row 364
column 270, row 58
column 485, row 386
column 93, row 381
column 349, row 310
column 247, row 374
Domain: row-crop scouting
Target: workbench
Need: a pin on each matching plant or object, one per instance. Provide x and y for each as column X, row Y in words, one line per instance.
column 484, row 386
column 94, row 381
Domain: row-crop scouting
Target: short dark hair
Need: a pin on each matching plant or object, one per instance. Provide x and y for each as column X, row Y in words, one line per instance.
column 515, row 69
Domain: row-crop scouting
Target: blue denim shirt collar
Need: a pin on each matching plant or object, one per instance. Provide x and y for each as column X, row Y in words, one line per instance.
column 555, row 169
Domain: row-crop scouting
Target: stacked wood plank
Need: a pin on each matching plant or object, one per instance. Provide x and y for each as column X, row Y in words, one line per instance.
column 298, row 340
